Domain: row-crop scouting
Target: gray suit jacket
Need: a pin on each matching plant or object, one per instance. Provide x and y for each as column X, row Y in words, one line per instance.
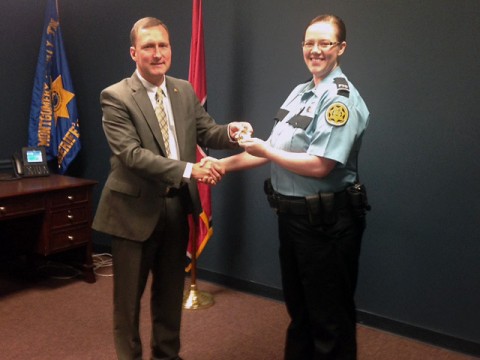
column 131, row 200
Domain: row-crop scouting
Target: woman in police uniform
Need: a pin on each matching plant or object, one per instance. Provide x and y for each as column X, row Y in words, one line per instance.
column 313, row 150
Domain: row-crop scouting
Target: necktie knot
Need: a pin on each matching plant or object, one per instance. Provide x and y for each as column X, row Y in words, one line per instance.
column 159, row 96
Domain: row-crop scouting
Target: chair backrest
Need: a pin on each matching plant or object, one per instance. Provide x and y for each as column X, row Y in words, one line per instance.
column 6, row 170
column 6, row 164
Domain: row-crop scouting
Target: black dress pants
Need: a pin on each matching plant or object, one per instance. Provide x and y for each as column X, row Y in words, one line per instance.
column 319, row 266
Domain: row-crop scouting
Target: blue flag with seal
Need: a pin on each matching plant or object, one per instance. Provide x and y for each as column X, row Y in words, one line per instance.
column 53, row 112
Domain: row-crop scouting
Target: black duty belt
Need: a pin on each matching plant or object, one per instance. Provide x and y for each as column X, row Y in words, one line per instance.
column 314, row 204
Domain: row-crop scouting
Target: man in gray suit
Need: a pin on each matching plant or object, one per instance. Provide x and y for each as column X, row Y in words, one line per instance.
column 152, row 188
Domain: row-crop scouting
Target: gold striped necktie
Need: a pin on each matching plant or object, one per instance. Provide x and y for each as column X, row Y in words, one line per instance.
column 162, row 119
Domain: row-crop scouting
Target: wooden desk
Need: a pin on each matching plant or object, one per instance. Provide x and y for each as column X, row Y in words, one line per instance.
column 61, row 206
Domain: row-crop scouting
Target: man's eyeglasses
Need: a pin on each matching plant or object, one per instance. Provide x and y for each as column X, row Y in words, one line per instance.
column 322, row 44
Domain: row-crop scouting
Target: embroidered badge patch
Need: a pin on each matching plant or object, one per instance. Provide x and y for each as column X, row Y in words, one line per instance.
column 337, row 114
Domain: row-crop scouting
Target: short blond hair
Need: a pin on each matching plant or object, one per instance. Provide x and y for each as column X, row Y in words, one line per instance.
column 144, row 23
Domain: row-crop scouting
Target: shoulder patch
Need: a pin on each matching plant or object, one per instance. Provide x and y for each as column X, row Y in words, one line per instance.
column 337, row 114
column 342, row 86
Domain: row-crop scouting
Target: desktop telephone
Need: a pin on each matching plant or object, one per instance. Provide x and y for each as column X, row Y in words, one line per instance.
column 31, row 162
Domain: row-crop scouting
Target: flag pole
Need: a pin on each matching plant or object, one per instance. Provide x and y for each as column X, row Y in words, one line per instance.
column 195, row 299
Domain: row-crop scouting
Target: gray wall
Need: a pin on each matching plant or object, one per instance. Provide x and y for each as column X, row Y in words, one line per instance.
column 416, row 65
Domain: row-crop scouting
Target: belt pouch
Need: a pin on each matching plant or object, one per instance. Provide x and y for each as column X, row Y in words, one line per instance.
column 358, row 199
column 314, row 209
column 328, row 207
column 272, row 201
column 268, row 189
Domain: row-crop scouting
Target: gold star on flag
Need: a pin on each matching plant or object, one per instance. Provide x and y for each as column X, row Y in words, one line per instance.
column 60, row 99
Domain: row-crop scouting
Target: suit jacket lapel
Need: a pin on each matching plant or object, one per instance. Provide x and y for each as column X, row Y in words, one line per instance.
column 140, row 96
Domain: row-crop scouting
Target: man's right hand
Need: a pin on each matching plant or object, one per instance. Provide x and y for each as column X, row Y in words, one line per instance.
column 208, row 171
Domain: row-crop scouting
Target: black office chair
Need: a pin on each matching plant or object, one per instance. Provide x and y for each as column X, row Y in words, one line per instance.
column 6, row 164
column 6, row 170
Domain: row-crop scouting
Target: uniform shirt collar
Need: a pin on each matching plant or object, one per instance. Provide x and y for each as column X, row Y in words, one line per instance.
column 310, row 86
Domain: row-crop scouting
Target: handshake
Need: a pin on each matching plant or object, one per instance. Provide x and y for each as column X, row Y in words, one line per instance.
column 210, row 170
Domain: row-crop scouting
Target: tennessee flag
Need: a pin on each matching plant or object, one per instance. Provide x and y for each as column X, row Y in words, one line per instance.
column 53, row 112
column 201, row 230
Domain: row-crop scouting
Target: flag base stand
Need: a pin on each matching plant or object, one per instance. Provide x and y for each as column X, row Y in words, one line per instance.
column 195, row 299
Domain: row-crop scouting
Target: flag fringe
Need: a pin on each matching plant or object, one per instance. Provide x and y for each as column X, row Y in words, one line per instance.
column 204, row 218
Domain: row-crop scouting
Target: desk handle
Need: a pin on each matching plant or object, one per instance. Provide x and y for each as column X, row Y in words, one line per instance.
column 70, row 238
column 70, row 197
column 3, row 210
column 70, row 217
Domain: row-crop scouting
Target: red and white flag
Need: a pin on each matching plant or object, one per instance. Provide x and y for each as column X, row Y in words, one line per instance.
column 201, row 230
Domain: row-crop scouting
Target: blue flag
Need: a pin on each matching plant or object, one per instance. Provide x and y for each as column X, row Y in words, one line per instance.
column 53, row 113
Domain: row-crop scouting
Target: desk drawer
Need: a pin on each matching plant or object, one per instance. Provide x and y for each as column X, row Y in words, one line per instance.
column 70, row 216
column 68, row 238
column 19, row 206
column 69, row 197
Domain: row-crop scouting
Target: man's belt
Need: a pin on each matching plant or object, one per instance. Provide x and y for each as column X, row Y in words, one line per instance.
column 172, row 191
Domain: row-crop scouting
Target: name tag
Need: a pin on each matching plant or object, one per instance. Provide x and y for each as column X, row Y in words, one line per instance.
column 300, row 121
